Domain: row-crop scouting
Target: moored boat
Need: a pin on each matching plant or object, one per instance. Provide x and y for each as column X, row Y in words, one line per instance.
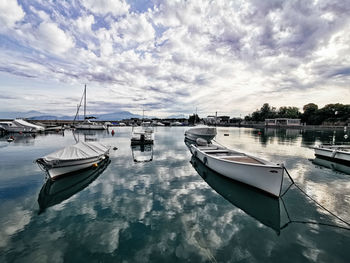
column 241, row 167
column 207, row 133
column 87, row 124
column 20, row 126
column 55, row 191
column 143, row 134
column 334, row 153
column 79, row 156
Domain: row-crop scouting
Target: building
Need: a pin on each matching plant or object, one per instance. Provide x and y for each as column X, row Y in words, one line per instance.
column 285, row 122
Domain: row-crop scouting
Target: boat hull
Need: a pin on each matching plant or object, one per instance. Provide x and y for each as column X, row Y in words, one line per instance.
column 204, row 133
column 333, row 155
column 264, row 177
column 66, row 168
column 90, row 127
column 141, row 138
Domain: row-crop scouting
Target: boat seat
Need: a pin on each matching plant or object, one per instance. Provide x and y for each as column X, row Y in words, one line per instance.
column 242, row 159
column 207, row 148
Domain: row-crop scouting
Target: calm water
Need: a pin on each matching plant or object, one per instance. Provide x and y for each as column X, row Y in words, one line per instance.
column 171, row 209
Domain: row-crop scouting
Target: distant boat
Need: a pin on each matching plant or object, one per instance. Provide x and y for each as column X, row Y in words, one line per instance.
column 253, row 202
column 20, row 126
column 143, row 134
column 79, row 156
column 55, row 191
column 204, row 132
column 334, row 153
column 87, row 124
column 241, row 167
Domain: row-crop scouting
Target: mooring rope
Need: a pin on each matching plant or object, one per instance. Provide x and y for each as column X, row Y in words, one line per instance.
column 330, row 212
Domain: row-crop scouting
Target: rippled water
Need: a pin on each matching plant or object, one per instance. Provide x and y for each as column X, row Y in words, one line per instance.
column 169, row 207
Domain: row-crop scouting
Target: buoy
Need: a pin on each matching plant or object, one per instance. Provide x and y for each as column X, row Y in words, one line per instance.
column 95, row 165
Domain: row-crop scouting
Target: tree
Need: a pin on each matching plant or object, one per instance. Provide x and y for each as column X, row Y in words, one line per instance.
column 193, row 119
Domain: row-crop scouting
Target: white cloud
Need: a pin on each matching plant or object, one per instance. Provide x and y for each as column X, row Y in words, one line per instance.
column 53, row 39
column 10, row 13
column 103, row 7
column 84, row 23
column 226, row 56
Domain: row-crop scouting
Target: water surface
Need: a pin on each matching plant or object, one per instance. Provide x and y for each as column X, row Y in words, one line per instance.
column 168, row 207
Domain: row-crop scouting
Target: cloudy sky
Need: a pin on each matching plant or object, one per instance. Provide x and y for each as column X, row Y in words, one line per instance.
column 171, row 57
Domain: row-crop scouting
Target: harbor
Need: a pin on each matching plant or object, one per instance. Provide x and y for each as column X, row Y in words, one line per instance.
column 174, row 131
column 167, row 206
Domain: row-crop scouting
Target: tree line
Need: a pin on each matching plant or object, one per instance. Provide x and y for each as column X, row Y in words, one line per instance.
column 311, row 115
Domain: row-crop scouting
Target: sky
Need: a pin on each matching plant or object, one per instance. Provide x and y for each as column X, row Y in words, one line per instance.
column 173, row 57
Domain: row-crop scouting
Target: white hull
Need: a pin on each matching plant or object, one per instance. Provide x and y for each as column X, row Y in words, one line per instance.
column 333, row 154
column 73, row 166
column 201, row 132
column 90, row 127
column 142, row 135
column 267, row 177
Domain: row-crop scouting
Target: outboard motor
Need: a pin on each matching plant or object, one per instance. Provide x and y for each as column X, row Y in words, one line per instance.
column 201, row 142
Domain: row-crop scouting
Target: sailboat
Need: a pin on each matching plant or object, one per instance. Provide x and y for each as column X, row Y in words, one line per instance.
column 87, row 124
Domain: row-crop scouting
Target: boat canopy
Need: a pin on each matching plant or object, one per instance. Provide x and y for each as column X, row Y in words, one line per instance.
column 28, row 124
column 81, row 150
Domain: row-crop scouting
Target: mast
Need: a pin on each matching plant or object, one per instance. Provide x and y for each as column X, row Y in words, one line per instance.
column 85, row 102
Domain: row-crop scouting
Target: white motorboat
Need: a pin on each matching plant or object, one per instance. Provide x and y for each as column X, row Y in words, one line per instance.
column 204, row 132
column 143, row 134
column 90, row 125
column 20, row 126
column 73, row 158
column 55, row 191
column 241, row 167
column 87, row 124
column 334, row 153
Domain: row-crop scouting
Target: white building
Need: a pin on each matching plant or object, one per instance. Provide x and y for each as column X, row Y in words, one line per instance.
column 282, row 122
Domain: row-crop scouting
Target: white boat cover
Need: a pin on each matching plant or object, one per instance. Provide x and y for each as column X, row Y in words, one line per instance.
column 28, row 124
column 81, row 150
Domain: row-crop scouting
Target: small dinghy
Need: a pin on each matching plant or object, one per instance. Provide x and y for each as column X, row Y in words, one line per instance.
column 73, row 158
column 334, row 153
column 241, row 167
column 203, row 132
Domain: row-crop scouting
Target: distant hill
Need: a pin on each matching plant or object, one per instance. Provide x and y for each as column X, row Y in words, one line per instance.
column 114, row 116
column 179, row 116
column 14, row 115
column 36, row 115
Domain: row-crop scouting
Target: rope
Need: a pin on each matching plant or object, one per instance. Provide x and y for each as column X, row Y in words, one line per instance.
column 324, row 208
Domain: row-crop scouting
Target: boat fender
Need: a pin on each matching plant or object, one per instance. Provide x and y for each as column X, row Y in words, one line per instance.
column 95, row 165
column 205, row 160
column 195, row 153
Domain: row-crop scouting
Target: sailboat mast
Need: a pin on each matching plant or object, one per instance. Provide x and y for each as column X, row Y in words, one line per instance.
column 85, row 102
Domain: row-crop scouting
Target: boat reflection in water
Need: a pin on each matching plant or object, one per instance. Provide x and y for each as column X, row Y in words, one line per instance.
column 54, row 192
column 253, row 202
column 142, row 153
column 331, row 165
